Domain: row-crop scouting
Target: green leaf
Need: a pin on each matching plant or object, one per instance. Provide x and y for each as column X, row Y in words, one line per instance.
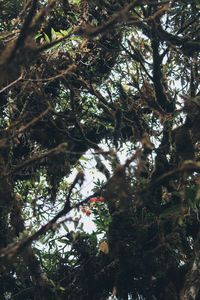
column 65, row 227
column 47, row 39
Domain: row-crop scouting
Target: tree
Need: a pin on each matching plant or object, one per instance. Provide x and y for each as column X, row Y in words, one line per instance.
column 97, row 75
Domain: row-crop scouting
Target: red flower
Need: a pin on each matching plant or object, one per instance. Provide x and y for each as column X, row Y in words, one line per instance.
column 101, row 199
column 97, row 199
column 88, row 213
column 93, row 199
column 86, row 210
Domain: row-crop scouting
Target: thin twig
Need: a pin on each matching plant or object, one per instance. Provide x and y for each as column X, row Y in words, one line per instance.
column 34, row 121
column 69, row 70
column 12, row 83
column 59, row 149
column 78, row 179
column 4, row 143
column 187, row 166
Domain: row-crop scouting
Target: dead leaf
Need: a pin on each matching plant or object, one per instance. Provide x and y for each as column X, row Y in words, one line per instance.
column 103, row 247
column 146, row 142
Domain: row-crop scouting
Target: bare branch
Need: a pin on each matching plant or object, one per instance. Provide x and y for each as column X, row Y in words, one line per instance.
column 12, row 83
column 59, row 149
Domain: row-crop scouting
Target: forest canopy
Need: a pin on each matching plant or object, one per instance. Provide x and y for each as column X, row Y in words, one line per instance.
column 115, row 84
